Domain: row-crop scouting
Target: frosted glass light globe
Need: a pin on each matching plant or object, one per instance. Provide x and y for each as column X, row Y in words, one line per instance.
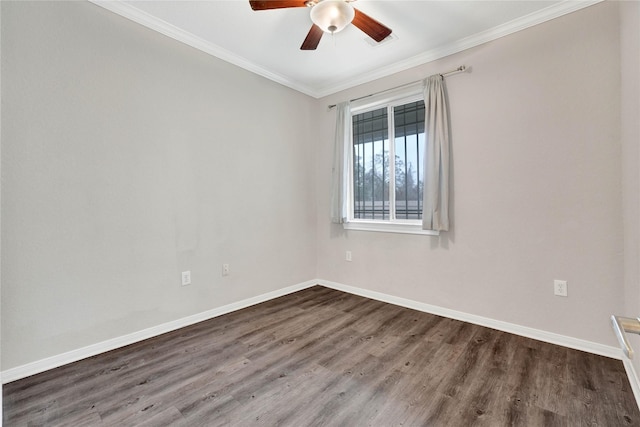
column 332, row 15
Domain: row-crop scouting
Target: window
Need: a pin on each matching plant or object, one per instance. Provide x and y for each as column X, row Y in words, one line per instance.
column 386, row 176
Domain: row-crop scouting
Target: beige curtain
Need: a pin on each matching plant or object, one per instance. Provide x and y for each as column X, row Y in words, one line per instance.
column 435, row 213
column 338, row 183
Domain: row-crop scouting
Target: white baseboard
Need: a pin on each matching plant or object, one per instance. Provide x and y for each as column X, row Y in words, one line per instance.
column 537, row 334
column 633, row 379
column 39, row 366
column 92, row 350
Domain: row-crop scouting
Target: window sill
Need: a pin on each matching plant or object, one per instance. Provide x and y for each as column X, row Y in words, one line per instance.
column 389, row 227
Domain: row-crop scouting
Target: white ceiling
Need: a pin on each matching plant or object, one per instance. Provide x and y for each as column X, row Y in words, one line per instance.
column 268, row 42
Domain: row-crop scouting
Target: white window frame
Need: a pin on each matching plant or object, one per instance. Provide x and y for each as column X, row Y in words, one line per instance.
column 389, row 100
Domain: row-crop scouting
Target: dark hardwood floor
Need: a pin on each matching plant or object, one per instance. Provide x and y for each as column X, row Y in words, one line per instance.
column 322, row 357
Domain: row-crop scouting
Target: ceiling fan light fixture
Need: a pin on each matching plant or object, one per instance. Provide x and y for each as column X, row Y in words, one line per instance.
column 332, row 16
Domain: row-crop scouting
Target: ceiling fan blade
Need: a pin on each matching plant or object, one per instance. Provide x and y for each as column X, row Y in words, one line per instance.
column 370, row 26
column 312, row 39
column 275, row 4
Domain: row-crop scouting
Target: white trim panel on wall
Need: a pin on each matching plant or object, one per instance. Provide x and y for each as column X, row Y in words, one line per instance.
column 633, row 379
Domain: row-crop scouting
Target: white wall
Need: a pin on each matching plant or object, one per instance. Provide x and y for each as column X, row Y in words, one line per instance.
column 630, row 120
column 127, row 158
column 1, row 406
column 536, row 185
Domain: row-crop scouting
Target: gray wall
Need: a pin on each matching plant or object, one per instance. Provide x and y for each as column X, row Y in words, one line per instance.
column 630, row 136
column 127, row 158
column 536, row 185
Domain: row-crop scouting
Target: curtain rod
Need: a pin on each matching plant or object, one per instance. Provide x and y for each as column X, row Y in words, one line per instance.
column 460, row 69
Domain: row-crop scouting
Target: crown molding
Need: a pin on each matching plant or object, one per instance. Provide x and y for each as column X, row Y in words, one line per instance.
column 527, row 21
column 554, row 11
column 136, row 15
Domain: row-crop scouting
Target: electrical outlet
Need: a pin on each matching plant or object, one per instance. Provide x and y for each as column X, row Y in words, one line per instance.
column 560, row 288
column 186, row 278
column 348, row 256
column 225, row 269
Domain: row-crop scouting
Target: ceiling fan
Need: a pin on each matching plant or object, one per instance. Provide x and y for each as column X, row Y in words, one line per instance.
column 328, row 16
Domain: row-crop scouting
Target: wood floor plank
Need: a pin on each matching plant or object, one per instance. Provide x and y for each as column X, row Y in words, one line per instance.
column 321, row 357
